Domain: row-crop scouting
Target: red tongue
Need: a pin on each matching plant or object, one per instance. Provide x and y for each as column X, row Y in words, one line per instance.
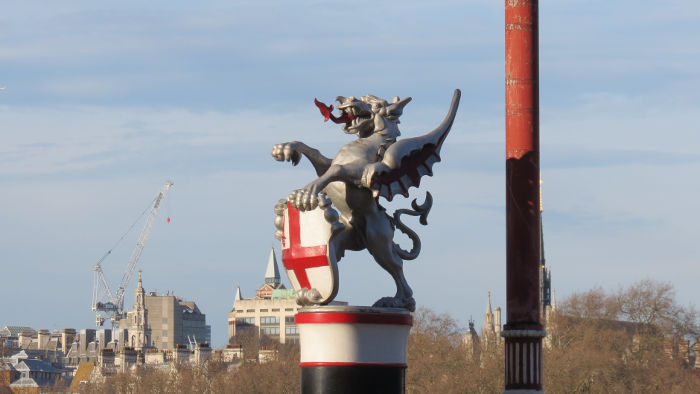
column 326, row 112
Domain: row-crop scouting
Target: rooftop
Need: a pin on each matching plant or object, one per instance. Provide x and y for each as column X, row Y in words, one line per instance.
column 13, row 331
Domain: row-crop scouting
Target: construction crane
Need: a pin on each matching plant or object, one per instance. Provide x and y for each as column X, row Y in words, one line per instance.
column 103, row 299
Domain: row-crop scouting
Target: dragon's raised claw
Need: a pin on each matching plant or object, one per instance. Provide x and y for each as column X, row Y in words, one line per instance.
column 303, row 200
column 287, row 152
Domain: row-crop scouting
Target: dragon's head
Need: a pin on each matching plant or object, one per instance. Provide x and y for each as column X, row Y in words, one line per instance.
column 369, row 114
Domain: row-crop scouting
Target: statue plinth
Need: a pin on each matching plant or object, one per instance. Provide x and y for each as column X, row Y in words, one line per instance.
column 353, row 349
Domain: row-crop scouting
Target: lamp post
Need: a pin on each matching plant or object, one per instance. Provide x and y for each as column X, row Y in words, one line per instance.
column 523, row 331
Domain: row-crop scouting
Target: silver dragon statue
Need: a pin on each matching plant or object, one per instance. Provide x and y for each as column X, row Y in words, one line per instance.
column 347, row 190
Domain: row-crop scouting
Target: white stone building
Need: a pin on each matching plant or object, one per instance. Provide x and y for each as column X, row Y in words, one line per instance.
column 271, row 312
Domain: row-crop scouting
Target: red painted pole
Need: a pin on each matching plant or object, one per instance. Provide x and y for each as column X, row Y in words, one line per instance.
column 523, row 331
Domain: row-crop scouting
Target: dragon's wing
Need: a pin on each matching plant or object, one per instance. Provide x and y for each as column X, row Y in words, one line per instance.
column 407, row 160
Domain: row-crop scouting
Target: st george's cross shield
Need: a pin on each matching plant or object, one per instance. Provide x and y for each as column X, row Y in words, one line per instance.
column 307, row 254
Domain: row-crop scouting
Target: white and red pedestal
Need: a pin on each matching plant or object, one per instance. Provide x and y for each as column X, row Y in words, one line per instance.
column 351, row 349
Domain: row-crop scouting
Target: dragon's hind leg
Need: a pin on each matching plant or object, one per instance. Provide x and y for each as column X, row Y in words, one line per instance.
column 379, row 240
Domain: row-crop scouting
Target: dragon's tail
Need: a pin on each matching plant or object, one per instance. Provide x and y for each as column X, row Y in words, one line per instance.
column 418, row 210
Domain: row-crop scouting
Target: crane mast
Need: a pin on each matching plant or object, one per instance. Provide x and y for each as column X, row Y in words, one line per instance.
column 114, row 305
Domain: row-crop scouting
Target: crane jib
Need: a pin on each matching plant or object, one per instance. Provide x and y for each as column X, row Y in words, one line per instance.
column 114, row 303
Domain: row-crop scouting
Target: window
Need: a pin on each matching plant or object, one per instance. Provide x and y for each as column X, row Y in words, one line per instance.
column 165, row 333
column 263, row 310
column 239, row 310
column 271, row 330
column 165, row 320
column 245, row 321
column 250, row 310
column 269, row 320
column 291, row 330
column 288, row 309
column 275, row 309
column 289, row 319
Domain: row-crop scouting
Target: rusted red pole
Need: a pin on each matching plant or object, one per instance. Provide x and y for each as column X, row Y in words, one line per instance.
column 523, row 331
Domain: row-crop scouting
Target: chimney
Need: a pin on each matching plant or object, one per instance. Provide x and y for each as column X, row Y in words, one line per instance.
column 202, row 353
column 129, row 357
column 86, row 336
column 232, row 353
column 67, row 338
column 106, row 358
column 24, row 338
column 670, row 349
column 181, row 354
column 43, row 338
column 684, row 350
column 104, row 336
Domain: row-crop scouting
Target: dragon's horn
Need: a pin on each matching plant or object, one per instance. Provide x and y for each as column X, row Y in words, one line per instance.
column 396, row 108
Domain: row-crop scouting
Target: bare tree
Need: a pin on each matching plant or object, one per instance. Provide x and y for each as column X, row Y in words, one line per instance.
column 599, row 342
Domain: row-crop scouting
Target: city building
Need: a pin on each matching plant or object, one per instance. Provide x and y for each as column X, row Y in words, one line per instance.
column 491, row 331
column 9, row 335
column 162, row 322
column 490, row 338
column 271, row 312
column 28, row 373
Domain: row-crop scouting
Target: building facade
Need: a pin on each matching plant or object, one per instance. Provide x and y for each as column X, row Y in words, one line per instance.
column 271, row 312
column 162, row 322
column 490, row 339
column 136, row 322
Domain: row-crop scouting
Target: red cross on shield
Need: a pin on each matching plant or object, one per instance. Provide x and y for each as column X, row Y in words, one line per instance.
column 305, row 252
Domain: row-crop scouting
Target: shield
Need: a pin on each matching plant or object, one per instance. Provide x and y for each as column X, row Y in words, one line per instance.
column 307, row 254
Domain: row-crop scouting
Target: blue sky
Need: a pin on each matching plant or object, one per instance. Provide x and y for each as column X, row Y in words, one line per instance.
column 105, row 102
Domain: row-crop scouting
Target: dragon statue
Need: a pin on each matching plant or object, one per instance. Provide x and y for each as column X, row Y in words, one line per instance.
column 376, row 164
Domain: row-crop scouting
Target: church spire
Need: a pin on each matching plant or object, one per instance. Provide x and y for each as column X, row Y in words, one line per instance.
column 488, row 317
column 488, row 332
column 139, row 318
column 238, row 293
column 139, row 294
column 488, row 305
column 272, row 274
column 140, row 283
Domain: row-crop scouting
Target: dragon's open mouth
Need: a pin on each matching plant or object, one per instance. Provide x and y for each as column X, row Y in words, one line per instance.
column 356, row 122
column 352, row 117
column 345, row 117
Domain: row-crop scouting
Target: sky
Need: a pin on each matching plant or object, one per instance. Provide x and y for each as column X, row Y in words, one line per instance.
column 105, row 101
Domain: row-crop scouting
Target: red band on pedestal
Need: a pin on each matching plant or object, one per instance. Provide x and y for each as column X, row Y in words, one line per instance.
column 349, row 364
column 353, row 318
